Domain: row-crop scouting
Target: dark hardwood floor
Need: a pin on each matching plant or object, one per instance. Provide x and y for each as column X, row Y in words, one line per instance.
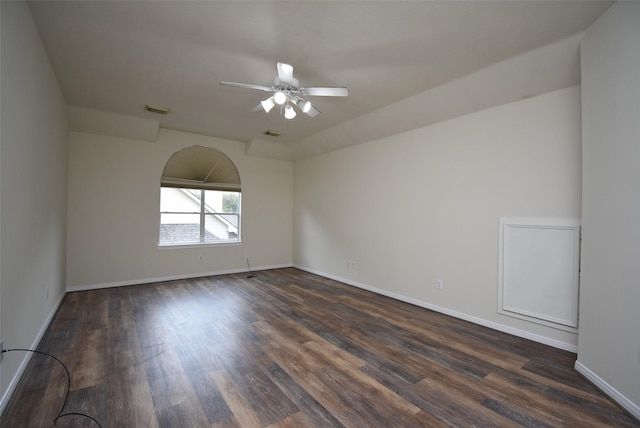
column 291, row 349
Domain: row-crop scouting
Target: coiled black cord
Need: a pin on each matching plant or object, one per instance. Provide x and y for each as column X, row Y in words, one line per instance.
column 66, row 397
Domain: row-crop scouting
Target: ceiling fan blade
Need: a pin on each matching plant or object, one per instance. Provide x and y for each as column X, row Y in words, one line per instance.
column 325, row 92
column 247, row 86
column 285, row 73
column 257, row 108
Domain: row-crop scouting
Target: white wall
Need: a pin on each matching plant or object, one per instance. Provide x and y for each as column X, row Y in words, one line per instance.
column 609, row 345
column 32, row 188
column 114, row 203
column 425, row 204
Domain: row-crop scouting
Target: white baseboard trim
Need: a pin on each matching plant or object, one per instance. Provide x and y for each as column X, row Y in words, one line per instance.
column 72, row 288
column 607, row 389
column 476, row 320
column 8, row 393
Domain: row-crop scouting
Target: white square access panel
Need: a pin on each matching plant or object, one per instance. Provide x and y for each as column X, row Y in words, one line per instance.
column 539, row 270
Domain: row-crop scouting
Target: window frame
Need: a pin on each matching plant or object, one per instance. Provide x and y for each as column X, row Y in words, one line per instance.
column 202, row 215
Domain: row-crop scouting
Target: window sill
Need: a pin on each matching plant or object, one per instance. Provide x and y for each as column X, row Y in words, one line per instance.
column 193, row 245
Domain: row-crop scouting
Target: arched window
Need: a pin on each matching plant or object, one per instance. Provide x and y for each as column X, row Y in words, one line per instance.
column 199, row 198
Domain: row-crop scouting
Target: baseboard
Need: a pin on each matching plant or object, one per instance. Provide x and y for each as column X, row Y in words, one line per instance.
column 611, row 392
column 6, row 397
column 72, row 288
column 461, row 315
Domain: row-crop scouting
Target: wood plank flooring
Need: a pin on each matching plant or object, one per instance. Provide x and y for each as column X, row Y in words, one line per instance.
column 291, row 349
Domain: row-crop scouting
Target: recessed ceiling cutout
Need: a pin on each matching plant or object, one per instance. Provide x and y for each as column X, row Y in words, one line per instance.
column 159, row 110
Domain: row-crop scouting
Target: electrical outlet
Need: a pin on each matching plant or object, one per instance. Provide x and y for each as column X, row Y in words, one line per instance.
column 201, row 258
column 439, row 284
column 351, row 264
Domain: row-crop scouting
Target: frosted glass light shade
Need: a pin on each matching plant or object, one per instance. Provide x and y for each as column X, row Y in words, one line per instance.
column 280, row 98
column 289, row 112
column 267, row 104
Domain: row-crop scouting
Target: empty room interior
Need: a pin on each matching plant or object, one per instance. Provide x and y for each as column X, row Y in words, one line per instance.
column 319, row 213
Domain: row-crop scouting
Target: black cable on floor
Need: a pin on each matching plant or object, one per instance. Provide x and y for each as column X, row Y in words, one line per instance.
column 60, row 414
column 251, row 274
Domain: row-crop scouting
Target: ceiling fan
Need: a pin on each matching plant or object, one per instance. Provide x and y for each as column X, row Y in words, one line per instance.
column 287, row 93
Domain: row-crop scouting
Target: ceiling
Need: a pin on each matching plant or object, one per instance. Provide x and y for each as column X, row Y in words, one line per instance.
column 117, row 56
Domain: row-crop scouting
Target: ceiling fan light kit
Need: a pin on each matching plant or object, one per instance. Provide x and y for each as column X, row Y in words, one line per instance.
column 288, row 93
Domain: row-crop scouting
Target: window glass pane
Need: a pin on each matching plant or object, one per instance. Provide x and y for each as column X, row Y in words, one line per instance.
column 179, row 200
column 178, row 228
column 222, row 202
column 220, row 228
